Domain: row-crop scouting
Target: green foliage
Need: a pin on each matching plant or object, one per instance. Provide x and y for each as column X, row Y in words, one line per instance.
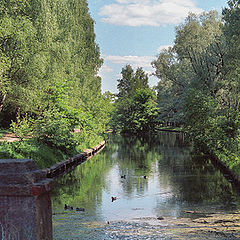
column 200, row 119
column 43, row 155
column 175, row 76
column 53, row 128
column 48, row 81
column 22, row 127
column 137, row 114
column 196, row 58
column 135, row 109
column 16, row 43
column 47, row 46
column 232, row 63
column 200, row 82
column 131, row 81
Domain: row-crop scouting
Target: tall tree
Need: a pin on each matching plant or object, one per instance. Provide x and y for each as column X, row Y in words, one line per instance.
column 131, row 81
column 46, row 45
column 174, row 78
column 49, row 61
column 199, row 40
column 200, row 77
column 136, row 109
column 16, row 48
column 232, row 66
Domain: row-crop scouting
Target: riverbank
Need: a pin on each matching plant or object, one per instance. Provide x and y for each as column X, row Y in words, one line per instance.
column 68, row 165
column 227, row 171
column 230, row 169
column 44, row 155
column 232, row 173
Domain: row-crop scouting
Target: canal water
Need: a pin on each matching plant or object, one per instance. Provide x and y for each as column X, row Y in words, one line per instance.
column 151, row 187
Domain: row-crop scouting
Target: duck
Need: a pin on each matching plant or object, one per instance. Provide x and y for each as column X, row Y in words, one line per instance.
column 114, row 198
column 145, row 177
column 66, row 207
column 123, row 176
column 80, row 209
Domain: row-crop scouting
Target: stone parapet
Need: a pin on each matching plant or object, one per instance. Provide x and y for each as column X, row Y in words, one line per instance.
column 25, row 204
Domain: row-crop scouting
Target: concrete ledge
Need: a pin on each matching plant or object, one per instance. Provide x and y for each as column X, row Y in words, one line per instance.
column 225, row 169
column 67, row 165
column 19, row 176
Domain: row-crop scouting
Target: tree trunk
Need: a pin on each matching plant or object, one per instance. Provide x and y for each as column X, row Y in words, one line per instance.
column 2, row 102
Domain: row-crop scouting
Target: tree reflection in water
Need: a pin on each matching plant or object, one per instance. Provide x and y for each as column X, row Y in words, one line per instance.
column 177, row 181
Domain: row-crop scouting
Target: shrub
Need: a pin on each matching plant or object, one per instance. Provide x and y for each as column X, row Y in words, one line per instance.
column 22, row 127
column 55, row 129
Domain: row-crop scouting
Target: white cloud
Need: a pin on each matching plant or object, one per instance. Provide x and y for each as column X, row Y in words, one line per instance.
column 135, row 61
column 104, row 69
column 147, row 12
column 116, row 63
column 163, row 47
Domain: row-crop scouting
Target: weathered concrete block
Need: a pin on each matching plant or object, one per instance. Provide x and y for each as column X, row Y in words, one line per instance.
column 25, row 204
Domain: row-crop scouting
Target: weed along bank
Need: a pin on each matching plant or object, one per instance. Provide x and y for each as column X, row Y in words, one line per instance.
column 25, row 204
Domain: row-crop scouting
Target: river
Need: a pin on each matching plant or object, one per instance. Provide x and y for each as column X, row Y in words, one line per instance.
column 151, row 187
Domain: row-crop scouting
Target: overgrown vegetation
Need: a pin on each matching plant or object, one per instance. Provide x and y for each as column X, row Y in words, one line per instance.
column 199, row 82
column 48, row 75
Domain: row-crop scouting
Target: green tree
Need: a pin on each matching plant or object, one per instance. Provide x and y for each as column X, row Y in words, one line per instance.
column 49, row 61
column 131, row 81
column 135, row 107
column 199, row 81
column 174, row 78
column 200, row 41
column 16, row 47
column 232, row 63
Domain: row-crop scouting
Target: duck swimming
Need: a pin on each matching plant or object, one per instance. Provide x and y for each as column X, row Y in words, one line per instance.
column 66, row 207
column 114, row 198
column 80, row 209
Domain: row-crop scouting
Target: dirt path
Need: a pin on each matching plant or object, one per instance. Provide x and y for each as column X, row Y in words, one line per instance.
column 9, row 137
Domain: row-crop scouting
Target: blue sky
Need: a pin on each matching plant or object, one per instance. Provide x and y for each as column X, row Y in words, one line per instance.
column 134, row 31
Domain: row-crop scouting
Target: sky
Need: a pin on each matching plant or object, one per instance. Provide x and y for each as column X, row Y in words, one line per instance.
column 135, row 31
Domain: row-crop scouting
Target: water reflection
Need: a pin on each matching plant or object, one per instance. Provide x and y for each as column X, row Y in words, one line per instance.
column 175, row 183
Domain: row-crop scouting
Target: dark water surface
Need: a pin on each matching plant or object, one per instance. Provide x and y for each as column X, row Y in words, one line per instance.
column 177, row 185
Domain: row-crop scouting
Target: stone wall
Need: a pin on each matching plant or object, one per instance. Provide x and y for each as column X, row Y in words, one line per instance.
column 25, row 204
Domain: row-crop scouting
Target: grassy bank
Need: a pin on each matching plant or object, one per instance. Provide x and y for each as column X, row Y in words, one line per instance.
column 44, row 155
